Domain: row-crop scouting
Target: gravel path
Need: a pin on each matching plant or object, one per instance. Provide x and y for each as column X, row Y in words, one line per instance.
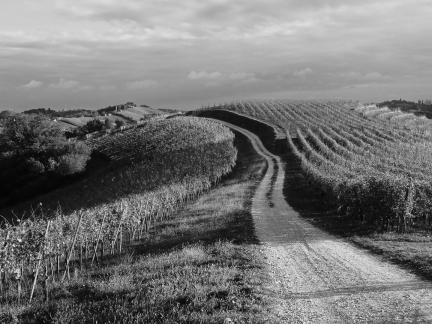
column 318, row 278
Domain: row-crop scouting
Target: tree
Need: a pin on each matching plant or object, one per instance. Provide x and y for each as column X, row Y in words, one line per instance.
column 119, row 123
column 30, row 133
column 108, row 123
column 94, row 125
column 35, row 141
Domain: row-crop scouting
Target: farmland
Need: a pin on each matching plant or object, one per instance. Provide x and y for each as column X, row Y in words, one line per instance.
column 375, row 170
column 306, row 170
column 81, row 223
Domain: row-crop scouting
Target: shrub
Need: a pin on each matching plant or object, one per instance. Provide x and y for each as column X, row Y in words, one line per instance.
column 108, row 124
column 94, row 125
column 119, row 123
column 386, row 202
column 35, row 166
column 72, row 163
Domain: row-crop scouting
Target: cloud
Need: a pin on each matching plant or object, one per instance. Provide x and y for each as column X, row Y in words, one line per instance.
column 303, row 72
column 242, row 47
column 141, row 84
column 107, row 87
column 358, row 76
column 64, row 84
column 204, row 75
column 243, row 76
column 215, row 78
column 32, row 84
column 374, row 76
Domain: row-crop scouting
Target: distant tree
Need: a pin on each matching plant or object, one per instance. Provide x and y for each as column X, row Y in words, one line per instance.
column 35, row 142
column 94, row 125
column 108, row 123
column 71, row 163
column 6, row 113
column 119, row 123
column 35, row 166
column 30, row 133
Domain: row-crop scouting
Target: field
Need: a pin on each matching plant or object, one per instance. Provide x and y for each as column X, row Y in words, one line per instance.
column 376, row 170
column 76, row 226
column 197, row 266
column 73, row 122
column 137, row 113
column 170, row 225
column 398, row 117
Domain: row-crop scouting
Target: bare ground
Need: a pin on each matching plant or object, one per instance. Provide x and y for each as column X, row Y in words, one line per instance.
column 315, row 277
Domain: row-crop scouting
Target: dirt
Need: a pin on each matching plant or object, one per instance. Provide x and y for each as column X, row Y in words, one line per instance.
column 315, row 277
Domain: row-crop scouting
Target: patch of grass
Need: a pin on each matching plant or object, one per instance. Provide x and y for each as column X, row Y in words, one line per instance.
column 201, row 266
column 411, row 250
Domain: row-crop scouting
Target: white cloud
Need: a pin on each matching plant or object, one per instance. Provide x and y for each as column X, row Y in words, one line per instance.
column 141, row 84
column 303, row 72
column 374, row 76
column 107, row 87
column 32, row 84
column 243, row 76
column 64, row 84
column 204, row 75
column 218, row 41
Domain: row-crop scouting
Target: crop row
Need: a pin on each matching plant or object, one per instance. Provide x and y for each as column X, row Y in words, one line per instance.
column 104, row 215
column 373, row 169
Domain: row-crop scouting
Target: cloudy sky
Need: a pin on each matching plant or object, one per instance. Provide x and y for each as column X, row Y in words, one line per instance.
column 170, row 53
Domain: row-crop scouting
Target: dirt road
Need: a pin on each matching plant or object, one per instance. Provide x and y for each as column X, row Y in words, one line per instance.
column 318, row 278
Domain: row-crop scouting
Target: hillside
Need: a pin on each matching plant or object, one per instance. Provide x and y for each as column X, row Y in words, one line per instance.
column 421, row 108
column 164, row 164
column 375, row 171
column 68, row 120
column 136, row 114
column 311, row 179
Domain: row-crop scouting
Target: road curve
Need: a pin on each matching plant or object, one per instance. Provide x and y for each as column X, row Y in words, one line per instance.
column 318, row 278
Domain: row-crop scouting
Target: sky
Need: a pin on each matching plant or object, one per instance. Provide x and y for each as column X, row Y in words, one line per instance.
column 185, row 54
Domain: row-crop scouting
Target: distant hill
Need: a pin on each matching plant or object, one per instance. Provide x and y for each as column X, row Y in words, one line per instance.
column 128, row 113
column 51, row 113
column 417, row 108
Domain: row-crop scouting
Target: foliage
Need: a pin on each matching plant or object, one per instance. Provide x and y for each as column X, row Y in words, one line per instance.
column 373, row 169
column 136, row 194
column 108, row 124
column 94, row 125
column 48, row 112
column 35, row 140
column 119, row 123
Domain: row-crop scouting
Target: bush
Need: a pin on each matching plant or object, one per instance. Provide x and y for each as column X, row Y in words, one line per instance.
column 72, row 163
column 37, row 141
column 94, row 125
column 35, row 166
column 119, row 123
column 108, row 124
column 386, row 202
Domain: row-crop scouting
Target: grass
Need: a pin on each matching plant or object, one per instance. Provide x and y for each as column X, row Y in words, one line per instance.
column 411, row 250
column 201, row 266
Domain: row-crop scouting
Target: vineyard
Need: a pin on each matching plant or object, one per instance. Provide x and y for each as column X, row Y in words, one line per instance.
column 164, row 163
column 374, row 169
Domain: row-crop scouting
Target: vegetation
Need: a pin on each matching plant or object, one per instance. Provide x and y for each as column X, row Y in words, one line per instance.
column 413, row 250
column 421, row 107
column 51, row 113
column 94, row 126
column 413, row 119
column 198, row 266
column 108, row 211
column 35, row 154
column 374, row 171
